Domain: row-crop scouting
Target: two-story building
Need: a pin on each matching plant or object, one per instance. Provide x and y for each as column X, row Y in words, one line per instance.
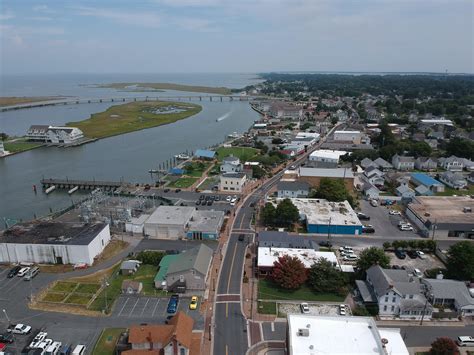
column 453, row 180
column 426, row 163
column 452, row 163
column 403, row 163
column 232, row 182
column 397, row 294
column 230, row 164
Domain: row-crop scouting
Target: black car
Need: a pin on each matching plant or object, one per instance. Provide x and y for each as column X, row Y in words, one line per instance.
column 363, row 217
column 400, row 254
column 202, row 197
column 216, row 198
column 14, row 271
column 368, row 230
column 241, row 237
column 209, row 203
column 7, row 338
column 325, row 244
column 166, row 190
column 207, row 198
column 177, row 190
column 396, row 267
column 198, row 202
column 412, row 254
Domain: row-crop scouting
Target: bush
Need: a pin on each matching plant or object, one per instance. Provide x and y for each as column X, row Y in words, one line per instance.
column 387, row 245
column 150, row 257
column 361, row 311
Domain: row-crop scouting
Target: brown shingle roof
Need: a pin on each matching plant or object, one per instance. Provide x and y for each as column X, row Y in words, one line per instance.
column 141, row 352
column 180, row 327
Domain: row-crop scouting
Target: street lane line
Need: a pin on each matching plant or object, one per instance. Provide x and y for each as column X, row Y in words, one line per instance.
column 125, row 303
column 231, row 267
column 154, row 309
column 272, row 326
column 130, row 314
column 226, row 350
column 227, row 310
column 144, row 307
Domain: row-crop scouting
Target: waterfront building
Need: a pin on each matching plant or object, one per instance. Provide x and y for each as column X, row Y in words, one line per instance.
column 53, row 134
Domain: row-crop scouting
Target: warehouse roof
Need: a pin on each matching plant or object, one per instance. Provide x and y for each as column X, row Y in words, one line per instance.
column 328, row 154
column 268, row 255
column 52, row 233
column 206, row 221
column 333, row 173
column 447, row 210
column 283, row 240
column 425, row 179
column 176, row 215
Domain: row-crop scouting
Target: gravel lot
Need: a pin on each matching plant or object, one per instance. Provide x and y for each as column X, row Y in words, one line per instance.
column 430, row 262
column 314, row 309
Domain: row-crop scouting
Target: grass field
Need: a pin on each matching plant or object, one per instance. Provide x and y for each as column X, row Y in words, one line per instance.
column 107, row 341
column 183, row 182
column 76, row 298
column 270, row 291
column 267, row 307
column 13, row 100
column 137, row 87
column 56, row 297
column 64, row 286
column 243, row 153
column 21, row 146
column 132, row 117
column 87, row 288
column 196, row 169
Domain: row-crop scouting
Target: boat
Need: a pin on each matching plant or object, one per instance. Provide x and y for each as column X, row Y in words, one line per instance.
column 153, row 171
column 233, row 135
column 182, row 157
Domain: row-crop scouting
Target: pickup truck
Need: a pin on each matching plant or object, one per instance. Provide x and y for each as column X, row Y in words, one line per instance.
column 19, row 329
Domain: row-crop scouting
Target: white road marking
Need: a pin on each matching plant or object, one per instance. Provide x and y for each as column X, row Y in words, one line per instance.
column 144, row 307
column 154, row 309
column 272, row 326
column 130, row 314
column 125, row 303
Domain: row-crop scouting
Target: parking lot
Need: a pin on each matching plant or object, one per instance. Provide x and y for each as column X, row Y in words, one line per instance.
column 430, row 262
column 316, row 309
column 385, row 225
column 153, row 309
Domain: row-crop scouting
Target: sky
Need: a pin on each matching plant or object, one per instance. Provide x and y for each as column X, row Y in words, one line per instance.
column 183, row 36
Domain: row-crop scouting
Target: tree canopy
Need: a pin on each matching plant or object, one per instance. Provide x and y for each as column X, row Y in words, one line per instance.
column 444, row 346
column 333, row 190
column 462, row 148
column 460, row 263
column 289, row 272
column 372, row 256
column 325, row 278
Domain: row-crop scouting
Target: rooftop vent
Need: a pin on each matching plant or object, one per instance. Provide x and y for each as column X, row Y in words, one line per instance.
column 302, row 332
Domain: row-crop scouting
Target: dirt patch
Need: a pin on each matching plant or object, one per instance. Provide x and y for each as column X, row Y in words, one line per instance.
column 55, row 269
column 115, row 247
column 314, row 309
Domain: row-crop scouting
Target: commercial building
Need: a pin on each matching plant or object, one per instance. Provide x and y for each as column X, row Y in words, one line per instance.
column 442, row 216
column 53, row 242
column 420, row 179
column 348, row 136
column 293, row 189
column 136, row 225
column 232, row 182
column 321, row 335
column 177, row 222
column 205, row 154
column 313, row 176
column 267, row 256
column 53, row 134
column 326, row 158
column 323, row 217
column 284, row 240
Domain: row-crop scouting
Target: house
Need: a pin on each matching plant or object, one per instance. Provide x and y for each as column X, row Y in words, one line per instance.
column 433, row 143
column 293, row 189
column 366, row 162
column 313, row 176
column 396, row 293
column 232, row 182
column 189, row 269
column 284, row 240
column 47, row 242
column 230, row 164
column 468, row 164
column 164, row 339
column 318, row 335
column 130, row 287
column 453, row 180
column 382, row 164
column 374, row 176
column 470, row 177
column 370, row 191
column 420, row 179
column 403, row 163
column 452, row 163
column 405, row 192
column 129, row 267
column 426, row 163
column 53, row 134
column 205, row 154
column 450, row 294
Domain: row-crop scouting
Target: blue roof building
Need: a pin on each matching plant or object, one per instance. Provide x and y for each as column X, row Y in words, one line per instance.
column 176, row 171
column 427, row 181
column 205, row 154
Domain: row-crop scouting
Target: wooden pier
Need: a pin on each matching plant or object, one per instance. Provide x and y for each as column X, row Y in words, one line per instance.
column 81, row 184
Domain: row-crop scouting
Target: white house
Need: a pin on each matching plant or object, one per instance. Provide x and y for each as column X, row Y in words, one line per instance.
column 53, row 242
column 231, row 164
column 53, row 134
column 452, row 163
column 232, row 182
column 403, row 163
column 454, row 180
column 293, row 189
column 397, row 294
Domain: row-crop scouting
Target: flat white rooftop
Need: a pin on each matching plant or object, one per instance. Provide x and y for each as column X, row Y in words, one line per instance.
column 318, row 335
column 347, row 132
column 319, row 211
column 327, row 154
column 268, row 255
column 330, row 173
column 174, row 215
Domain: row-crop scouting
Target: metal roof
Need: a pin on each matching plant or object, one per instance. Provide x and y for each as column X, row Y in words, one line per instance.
column 197, row 258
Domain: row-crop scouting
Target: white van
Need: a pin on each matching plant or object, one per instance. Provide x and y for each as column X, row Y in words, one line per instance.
column 79, row 350
column 465, row 341
column 31, row 273
column 23, row 271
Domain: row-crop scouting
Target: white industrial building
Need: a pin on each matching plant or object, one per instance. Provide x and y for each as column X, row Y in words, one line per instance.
column 168, row 222
column 53, row 134
column 327, row 156
column 348, row 136
column 318, row 335
column 53, row 242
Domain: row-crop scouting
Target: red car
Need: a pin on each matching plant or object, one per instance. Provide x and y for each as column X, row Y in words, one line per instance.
column 2, row 346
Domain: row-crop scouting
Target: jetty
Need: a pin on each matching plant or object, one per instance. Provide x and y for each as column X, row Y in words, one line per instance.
column 71, row 185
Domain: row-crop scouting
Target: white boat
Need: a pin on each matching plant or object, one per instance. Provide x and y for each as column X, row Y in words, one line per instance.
column 233, row 135
column 182, row 157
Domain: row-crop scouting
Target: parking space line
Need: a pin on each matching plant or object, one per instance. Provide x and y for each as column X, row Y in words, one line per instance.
column 144, row 307
column 154, row 309
column 272, row 326
column 123, row 307
column 130, row 314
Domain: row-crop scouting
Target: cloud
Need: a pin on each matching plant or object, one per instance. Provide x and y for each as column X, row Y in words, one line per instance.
column 142, row 19
column 44, row 9
column 40, row 18
column 6, row 16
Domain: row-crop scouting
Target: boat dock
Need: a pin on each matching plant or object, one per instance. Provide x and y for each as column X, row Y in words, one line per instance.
column 80, row 184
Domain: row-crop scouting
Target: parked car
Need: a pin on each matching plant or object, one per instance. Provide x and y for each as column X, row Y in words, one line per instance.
column 350, row 257
column 400, row 254
column 374, row 203
column 412, row 254
column 417, row 273
column 166, row 190
column 396, row 267
column 346, row 248
column 405, row 227
column 342, row 309
column 241, row 237
column 79, row 350
column 420, row 254
column 465, row 341
column 14, row 271
column 368, row 229
column 394, row 213
column 177, row 190
column 19, row 329
column 304, row 308
column 202, row 197
column 53, row 349
column 217, row 198
column 363, row 216
column 198, row 202
column 65, row 349
column 23, row 271
column 38, row 339
column 31, row 274
column 228, row 198
column 173, row 304
column 7, row 338
column 325, row 243
column 210, row 202
column 194, row 302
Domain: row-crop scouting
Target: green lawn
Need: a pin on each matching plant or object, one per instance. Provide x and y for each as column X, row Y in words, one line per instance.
column 449, row 191
column 133, row 116
column 88, row 288
column 196, row 169
column 243, row 153
column 64, row 286
column 268, row 290
column 267, row 307
column 76, row 298
column 107, row 341
column 55, row 297
column 183, row 182
column 21, row 146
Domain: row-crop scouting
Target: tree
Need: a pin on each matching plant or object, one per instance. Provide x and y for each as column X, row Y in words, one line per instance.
column 286, row 213
column 334, row 120
column 462, row 148
column 3, row 136
column 289, row 272
column 268, row 214
column 305, row 126
column 325, row 278
column 277, row 141
column 372, row 256
column 150, row 257
column 460, row 263
column 444, row 346
column 332, row 190
column 257, row 172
